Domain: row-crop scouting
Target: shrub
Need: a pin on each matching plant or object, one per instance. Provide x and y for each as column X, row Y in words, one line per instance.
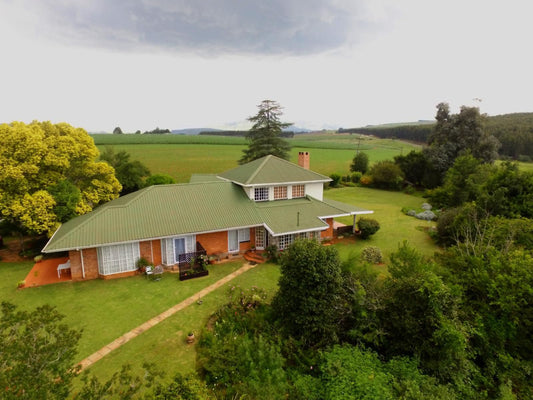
column 335, row 179
column 366, row 180
column 356, row 176
column 372, row 254
column 386, row 175
column 367, row 227
column 272, row 253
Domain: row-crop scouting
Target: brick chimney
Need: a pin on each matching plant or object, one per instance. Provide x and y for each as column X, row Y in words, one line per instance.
column 303, row 159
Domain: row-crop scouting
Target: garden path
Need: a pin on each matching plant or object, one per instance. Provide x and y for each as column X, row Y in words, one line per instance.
column 87, row 362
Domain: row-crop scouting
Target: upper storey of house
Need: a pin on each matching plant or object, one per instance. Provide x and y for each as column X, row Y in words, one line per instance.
column 272, row 178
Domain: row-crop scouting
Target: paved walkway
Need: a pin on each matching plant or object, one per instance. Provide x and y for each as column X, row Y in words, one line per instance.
column 104, row 351
column 45, row 272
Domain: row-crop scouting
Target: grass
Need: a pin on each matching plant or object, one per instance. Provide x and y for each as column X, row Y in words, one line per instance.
column 181, row 160
column 396, row 227
column 105, row 309
column 165, row 344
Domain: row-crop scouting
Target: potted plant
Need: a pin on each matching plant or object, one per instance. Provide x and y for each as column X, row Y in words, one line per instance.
column 38, row 258
column 190, row 337
column 21, row 284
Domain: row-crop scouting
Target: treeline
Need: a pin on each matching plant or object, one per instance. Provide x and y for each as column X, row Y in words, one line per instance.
column 514, row 132
column 284, row 134
column 416, row 133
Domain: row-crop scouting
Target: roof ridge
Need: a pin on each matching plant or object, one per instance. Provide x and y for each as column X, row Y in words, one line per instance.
column 266, row 158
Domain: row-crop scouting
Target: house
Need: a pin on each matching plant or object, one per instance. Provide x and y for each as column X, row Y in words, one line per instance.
column 267, row 201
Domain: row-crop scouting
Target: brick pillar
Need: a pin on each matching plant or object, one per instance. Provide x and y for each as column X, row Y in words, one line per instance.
column 303, row 159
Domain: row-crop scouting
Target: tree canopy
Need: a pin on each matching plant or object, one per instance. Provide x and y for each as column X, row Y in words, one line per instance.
column 265, row 134
column 130, row 174
column 42, row 166
column 455, row 134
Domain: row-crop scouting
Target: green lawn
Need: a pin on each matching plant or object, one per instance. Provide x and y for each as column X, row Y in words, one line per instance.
column 395, row 226
column 105, row 309
column 165, row 344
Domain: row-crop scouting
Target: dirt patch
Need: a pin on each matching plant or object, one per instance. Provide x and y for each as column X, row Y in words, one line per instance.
column 10, row 253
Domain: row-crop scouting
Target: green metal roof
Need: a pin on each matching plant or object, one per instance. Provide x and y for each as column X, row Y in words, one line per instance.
column 269, row 170
column 202, row 178
column 207, row 206
column 159, row 211
column 289, row 216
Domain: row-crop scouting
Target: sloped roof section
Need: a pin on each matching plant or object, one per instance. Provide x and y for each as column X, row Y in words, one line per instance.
column 159, row 211
column 270, row 170
column 298, row 215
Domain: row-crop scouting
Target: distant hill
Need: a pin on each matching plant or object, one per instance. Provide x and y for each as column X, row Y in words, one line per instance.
column 192, row 131
column 514, row 131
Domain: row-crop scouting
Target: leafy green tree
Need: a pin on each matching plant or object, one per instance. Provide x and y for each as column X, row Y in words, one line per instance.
column 117, row 131
column 131, row 174
column 463, row 182
column 386, row 175
column 66, row 196
column 37, row 353
column 182, row 387
column 455, row 134
column 360, row 163
column 497, row 289
column 416, row 168
column 159, row 179
column 308, row 302
column 419, row 317
column 264, row 136
column 38, row 156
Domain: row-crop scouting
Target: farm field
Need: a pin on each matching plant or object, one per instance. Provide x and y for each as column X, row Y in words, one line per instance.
column 180, row 156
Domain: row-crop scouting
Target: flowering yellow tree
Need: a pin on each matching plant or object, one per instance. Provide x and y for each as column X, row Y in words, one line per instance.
column 35, row 159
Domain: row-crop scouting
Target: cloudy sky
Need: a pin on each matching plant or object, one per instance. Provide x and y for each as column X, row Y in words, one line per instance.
column 177, row 64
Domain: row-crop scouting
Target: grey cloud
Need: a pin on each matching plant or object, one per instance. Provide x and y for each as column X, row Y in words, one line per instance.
column 209, row 27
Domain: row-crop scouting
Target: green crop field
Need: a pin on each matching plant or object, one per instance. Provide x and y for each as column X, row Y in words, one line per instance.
column 181, row 155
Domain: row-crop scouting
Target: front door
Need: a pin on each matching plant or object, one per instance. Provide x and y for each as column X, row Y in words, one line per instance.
column 233, row 241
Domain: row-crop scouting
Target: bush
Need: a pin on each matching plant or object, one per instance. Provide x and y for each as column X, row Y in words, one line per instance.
column 367, row 227
column 366, row 180
column 272, row 253
column 356, row 177
column 372, row 254
column 335, row 179
column 386, row 175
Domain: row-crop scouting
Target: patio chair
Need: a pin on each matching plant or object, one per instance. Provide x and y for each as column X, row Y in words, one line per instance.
column 149, row 271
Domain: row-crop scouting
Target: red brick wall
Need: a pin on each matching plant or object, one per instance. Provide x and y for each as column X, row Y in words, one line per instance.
column 215, row 242
column 145, row 250
column 328, row 233
column 156, row 246
column 90, row 264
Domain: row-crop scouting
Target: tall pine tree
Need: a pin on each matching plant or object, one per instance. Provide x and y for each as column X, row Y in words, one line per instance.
column 264, row 136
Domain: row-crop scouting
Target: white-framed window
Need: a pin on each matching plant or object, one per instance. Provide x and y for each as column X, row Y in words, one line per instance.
column 118, row 258
column 298, row 191
column 261, row 193
column 280, row 192
column 260, row 238
column 244, row 235
column 284, row 241
column 171, row 248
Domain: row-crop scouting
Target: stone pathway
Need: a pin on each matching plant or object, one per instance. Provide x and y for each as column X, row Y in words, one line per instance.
column 104, row 351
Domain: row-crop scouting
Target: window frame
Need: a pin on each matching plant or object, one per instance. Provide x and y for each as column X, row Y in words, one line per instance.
column 260, row 192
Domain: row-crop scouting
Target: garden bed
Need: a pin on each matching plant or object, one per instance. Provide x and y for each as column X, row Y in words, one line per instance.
column 192, row 274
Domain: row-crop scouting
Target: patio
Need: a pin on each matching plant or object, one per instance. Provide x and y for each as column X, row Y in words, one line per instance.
column 45, row 273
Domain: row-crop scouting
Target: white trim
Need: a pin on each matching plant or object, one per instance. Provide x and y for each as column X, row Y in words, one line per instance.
column 155, row 238
column 302, row 231
column 82, row 264
column 281, row 183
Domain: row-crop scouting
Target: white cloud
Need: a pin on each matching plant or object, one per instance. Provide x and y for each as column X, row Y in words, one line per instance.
column 347, row 73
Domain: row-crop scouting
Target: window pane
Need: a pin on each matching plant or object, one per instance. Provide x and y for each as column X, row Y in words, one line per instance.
column 280, row 192
column 261, row 194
